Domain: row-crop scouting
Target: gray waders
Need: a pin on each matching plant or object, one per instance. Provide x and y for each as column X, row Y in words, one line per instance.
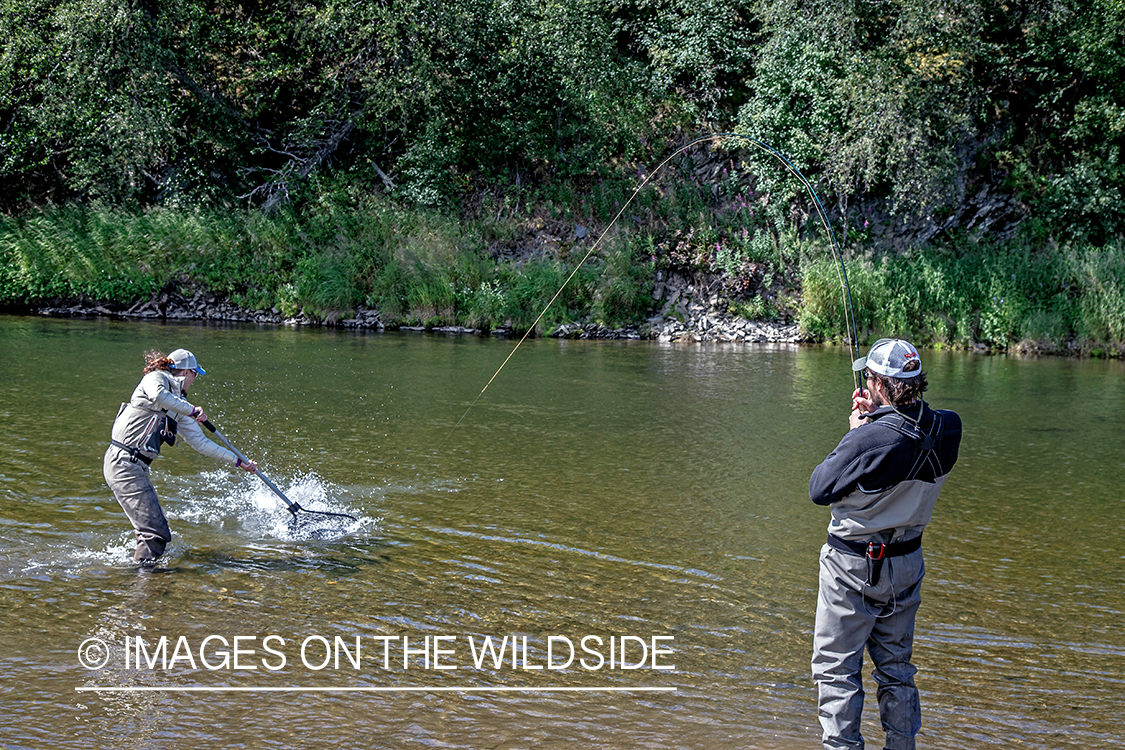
column 856, row 611
column 127, row 475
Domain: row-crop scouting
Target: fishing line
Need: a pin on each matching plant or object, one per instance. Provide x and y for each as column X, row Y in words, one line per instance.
column 849, row 312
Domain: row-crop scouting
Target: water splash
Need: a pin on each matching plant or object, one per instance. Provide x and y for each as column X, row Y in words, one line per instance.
column 46, row 558
column 251, row 509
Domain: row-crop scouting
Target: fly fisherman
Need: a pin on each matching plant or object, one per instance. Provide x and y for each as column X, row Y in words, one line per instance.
column 881, row 483
column 156, row 413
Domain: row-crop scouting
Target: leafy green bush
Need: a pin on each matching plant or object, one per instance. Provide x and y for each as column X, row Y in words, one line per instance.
column 533, row 285
column 1094, row 280
column 995, row 295
column 624, row 290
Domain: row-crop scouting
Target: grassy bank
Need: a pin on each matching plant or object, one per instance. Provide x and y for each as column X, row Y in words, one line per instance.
column 415, row 266
column 1068, row 299
column 500, row 267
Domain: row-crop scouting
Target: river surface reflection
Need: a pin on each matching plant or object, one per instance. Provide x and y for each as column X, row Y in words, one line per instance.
column 600, row 489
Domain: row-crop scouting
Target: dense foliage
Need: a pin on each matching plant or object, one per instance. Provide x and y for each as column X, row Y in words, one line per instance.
column 919, row 103
column 961, row 129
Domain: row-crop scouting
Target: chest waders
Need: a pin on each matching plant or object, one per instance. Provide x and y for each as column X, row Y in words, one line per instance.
column 160, row 429
column 926, row 444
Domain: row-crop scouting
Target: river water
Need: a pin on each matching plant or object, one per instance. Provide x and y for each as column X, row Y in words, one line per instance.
column 601, row 494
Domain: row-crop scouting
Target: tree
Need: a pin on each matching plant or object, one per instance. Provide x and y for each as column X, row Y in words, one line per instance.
column 876, row 94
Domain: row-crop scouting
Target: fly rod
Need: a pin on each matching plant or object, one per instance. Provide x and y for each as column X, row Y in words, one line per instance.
column 849, row 310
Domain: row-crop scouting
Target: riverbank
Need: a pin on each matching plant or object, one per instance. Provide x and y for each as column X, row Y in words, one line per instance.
column 687, row 266
column 686, row 314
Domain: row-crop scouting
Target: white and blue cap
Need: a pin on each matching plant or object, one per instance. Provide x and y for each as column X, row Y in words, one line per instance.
column 892, row 358
column 182, row 359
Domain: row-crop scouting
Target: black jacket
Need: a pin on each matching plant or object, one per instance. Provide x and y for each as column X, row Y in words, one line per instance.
column 883, row 479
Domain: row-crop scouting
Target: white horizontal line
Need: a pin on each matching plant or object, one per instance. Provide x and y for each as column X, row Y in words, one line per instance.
column 419, row 689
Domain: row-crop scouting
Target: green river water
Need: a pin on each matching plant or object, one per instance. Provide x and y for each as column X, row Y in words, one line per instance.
column 638, row 493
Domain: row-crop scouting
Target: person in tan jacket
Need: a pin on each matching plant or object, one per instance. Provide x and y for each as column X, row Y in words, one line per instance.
column 156, row 414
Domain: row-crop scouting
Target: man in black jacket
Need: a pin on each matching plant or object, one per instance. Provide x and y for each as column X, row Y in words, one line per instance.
column 881, row 484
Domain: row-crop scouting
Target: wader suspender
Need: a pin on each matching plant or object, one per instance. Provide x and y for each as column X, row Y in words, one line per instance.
column 164, row 433
column 928, row 442
column 134, row 453
column 877, row 552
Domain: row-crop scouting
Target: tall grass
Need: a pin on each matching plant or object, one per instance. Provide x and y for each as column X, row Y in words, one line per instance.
column 1011, row 296
column 427, row 268
column 416, row 267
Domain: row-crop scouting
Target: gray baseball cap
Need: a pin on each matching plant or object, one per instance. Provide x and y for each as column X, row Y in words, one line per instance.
column 182, row 359
column 892, row 358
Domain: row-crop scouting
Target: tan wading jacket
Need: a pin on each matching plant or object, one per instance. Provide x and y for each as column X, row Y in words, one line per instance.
column 161, row 392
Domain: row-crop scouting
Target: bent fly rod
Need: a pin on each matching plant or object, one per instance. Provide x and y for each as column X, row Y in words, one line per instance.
column 849, row 310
